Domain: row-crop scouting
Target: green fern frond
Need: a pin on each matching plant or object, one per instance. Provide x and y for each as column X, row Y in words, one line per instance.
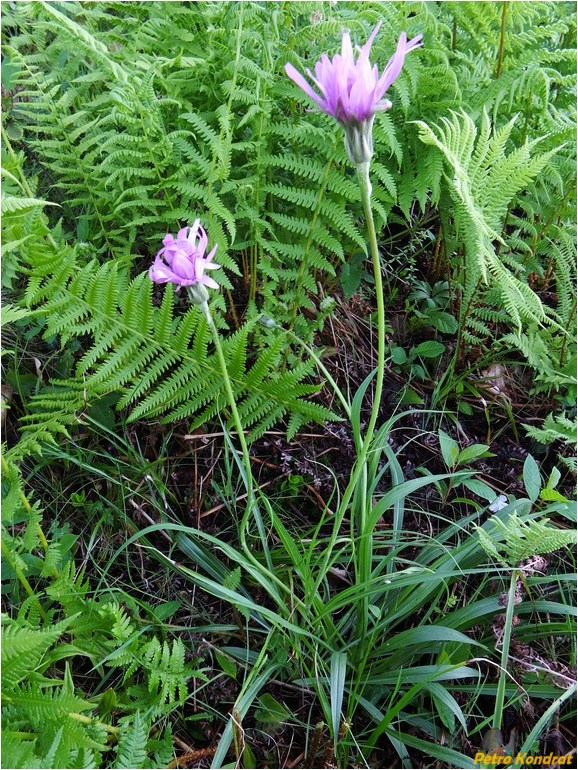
column 131, row 749
column 554, row 428
column 23, row 649
column 483, row 180
column 518, row 540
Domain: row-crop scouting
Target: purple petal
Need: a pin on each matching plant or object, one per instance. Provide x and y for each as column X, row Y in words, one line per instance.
column 211, row 254
column 360, row 102
column 206, row 281
column 352, row 90
column 181, row 260
column 159, row 273
column 383, row 105
column 203, row 241
column 298, row 78
column 415, row 42
column 347, row 51
column 319, row 80
column 362, row 96
column 184, row 266
column 328, row 74
column 366, row 49
column 393, row 66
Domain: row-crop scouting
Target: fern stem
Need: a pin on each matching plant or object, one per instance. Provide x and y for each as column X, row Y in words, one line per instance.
column 41, row 536
column 549, row 221
column 25, row 186
column 71, row 150
column 90, row 721
column 22, row 578
column 464, row 319
column 346, row 406
column 304, row 264
column 567, row 335
column 502, row 40
column 256, row 228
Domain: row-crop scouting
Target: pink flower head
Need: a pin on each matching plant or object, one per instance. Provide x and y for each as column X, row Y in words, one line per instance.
column 352, row 91
column 182, row 259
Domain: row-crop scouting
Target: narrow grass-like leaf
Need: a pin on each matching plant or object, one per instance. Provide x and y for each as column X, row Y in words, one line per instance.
column 337, row 685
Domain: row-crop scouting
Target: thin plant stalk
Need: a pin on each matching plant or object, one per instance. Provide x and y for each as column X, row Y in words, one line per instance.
column 502, row 40
column 365, row 538
column 22, row 578
column 238, row 426
column 251, row 507
column 501, row 688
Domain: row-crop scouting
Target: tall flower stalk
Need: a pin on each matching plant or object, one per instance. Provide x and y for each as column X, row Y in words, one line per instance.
column 183, row 261
column 352, row 91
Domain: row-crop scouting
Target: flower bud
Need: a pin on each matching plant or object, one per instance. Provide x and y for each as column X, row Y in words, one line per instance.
column 359, row 140
column 198, row 294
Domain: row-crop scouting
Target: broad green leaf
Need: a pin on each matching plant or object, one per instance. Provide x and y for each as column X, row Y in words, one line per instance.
column 532, row 478
column 271, row 711
column 429, row 349
column 166, row 609
column 351, row 274
column 450, row 450
column 443, row 322
column 550, row 495
column 409, row 396
column 554, row 478
column 226, row 664
column 398, row 355
column 480, row 489
column 473, row 452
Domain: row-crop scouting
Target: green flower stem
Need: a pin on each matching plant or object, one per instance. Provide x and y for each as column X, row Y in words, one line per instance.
column 365, row 187
column 237, row 421
column 354, row 489
column 366, row 537
column 252, row 507
column 265, row 571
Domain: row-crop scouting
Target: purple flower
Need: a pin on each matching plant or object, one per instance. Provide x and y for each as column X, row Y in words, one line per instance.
column 182, row 259
column 352, row 91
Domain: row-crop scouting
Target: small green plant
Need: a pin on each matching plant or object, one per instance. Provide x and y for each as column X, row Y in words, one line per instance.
column 428, row 306
column 412, row 361
column 512, row 542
